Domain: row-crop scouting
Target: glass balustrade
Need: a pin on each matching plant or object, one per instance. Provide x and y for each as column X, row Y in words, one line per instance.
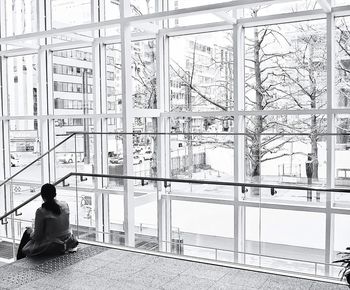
column 200, row 226
column 275, row 222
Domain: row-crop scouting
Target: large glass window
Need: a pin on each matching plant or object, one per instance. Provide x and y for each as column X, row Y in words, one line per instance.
column 54, row 83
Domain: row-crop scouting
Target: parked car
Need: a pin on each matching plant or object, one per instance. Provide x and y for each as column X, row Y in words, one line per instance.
column 66, row 158
column 116, row 159
column 14, row 160
column 119, row 160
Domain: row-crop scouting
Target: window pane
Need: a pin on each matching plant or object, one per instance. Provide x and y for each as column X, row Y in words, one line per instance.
column 204, row 226
column 19, row 16
column 111, row 9
column 113, row 79
column 272, row 157
column 200, row 72
column 288, row 7
column 285, row 237
column 285, row 66
column 342, row 155
column 72, row 86
column 343, row 62
column 22, row 86
column 199, row 156
column 69, row 13
column 140, row 7
column 144, row 74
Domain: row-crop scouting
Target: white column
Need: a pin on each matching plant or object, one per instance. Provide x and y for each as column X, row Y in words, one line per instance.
column 330, row 139
column 163, row 146
column 46, row 140
column 100, row 145
column 126, row 61
column 3, row 93
column 46, row 128
column 45, row 143
column 239, row 149
column 5, row 191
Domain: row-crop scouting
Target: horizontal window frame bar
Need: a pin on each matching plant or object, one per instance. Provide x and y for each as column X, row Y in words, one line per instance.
column 204, row 9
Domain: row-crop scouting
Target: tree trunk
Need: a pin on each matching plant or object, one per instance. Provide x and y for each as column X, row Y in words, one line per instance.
column 256, row 141
column 313, row 124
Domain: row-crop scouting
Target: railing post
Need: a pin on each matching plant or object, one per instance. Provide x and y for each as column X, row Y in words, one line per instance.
column 13, row 234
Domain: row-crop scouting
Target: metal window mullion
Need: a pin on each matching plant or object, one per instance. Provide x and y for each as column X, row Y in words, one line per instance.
column 100, row 146
column 42, row 96
column 5, row 192
column 163, row 149
column 264, row 20
column 127, row 107
column 329, row 232
column 2, row 127
column 239, row 166
column 45, row 142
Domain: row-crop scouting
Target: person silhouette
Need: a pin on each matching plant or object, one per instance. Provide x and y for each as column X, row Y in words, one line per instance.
column 52, row 234
column 309, row 175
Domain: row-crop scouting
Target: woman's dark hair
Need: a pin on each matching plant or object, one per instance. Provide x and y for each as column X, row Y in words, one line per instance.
column 48, row 193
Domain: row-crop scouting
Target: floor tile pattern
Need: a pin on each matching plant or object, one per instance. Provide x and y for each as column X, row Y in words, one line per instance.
column 28, row 270
column 100, row 268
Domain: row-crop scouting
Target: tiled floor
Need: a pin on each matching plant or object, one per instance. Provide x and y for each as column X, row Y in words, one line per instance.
column 101, row 268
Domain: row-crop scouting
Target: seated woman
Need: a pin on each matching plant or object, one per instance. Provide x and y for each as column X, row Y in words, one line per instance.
column 52, row 234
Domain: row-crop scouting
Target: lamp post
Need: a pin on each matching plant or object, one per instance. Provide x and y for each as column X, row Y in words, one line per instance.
column 85, row 121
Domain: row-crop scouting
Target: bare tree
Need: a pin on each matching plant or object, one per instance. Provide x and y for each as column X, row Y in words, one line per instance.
column 343, row 73
column 263, row 92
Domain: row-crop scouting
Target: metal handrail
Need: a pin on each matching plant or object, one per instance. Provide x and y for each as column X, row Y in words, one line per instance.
column 14, row 210
column 196, row 181
column 35, row 160
column 203, row 133
column 244, row 185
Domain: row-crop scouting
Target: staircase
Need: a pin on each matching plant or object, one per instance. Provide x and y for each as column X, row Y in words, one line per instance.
column 95, row 267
